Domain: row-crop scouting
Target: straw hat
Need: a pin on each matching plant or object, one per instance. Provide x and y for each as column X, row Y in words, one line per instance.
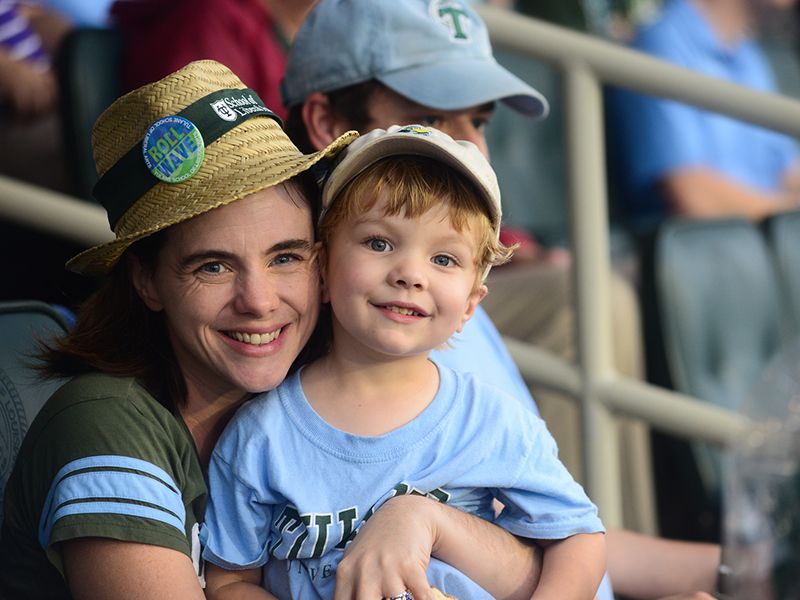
column 177, row 148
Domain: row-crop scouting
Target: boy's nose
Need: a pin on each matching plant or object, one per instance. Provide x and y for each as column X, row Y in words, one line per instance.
column 407, row 274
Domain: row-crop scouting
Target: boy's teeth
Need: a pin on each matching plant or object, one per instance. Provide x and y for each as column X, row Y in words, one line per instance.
column 402, row 311
column 255, row 339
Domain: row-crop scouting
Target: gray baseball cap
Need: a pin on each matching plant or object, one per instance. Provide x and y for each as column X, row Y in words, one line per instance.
column 433, row 52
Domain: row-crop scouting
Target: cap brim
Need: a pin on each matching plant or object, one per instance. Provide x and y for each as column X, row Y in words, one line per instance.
column 460, row 84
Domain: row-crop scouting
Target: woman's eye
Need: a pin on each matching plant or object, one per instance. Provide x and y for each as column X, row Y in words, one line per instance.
column 213, row 268
column 442, row 260
column 285, row 259
column 378, row 245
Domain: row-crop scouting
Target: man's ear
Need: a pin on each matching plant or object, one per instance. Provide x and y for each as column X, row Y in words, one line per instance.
column 319, row 120
column 142, row 280
column 472, row 304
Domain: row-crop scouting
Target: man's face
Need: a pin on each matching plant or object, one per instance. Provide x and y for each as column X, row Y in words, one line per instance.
column 390, row 108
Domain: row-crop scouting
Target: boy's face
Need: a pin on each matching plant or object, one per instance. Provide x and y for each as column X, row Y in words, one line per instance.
column 399, row 286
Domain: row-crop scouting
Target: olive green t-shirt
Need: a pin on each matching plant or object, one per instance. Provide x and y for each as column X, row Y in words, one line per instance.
column 103, row 458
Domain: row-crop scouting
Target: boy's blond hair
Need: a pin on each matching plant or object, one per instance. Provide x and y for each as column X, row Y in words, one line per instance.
column 412, row 185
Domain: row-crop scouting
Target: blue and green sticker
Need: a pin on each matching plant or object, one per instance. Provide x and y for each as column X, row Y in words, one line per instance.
column 173, row 149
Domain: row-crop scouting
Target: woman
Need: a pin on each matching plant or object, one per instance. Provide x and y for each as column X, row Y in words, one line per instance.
column 211, row 292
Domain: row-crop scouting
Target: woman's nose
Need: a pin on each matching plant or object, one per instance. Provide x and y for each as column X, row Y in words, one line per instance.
column 256, row 294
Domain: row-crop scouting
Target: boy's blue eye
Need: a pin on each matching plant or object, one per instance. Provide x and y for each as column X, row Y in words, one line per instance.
column 378, row 245
column 442, row 260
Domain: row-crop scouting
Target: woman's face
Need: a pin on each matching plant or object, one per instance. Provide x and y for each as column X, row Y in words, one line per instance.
column 239, row 290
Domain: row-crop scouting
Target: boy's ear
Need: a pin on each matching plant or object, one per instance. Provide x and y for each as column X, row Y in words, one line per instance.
column 472, row 304
column 142, row 280
column 319, row 120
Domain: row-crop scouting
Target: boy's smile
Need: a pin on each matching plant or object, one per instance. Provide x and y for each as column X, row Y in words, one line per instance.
column 400, row 286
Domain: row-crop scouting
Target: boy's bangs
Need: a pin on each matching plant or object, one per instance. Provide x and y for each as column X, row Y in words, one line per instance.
column 412, row 185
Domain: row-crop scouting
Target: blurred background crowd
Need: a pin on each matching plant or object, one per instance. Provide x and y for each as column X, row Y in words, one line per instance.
column 63, row 61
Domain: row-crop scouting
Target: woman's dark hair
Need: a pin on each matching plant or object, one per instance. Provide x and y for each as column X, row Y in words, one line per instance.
column 116, row 334
column 319, row 342
column 350, row 104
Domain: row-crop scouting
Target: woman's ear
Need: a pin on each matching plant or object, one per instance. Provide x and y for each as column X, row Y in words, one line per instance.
column 142, row 280
column 322, row 260
column 319, row 120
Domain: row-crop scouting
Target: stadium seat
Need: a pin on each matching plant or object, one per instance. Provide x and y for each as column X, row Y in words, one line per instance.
column 783, row 234
column 88, row 72
column 22, row 391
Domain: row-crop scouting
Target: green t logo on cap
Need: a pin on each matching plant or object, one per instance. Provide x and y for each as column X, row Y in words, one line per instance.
column 173, row 149
column 454, row 16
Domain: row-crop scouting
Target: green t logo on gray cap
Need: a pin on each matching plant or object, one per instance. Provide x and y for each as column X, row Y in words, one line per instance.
column 453, row 15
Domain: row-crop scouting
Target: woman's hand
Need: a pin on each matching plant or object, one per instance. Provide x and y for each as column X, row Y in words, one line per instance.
column 391, row 552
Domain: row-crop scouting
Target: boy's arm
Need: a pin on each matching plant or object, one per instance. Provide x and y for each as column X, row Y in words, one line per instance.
column 572, row 567
column 222, row 584
column 392, row 550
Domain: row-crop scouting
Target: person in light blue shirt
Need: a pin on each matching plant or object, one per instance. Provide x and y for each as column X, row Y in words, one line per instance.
column 677, row 159
column 83, row 13
column 409, row 230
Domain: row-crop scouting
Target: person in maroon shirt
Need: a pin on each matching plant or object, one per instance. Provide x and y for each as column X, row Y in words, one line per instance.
column 251, row 37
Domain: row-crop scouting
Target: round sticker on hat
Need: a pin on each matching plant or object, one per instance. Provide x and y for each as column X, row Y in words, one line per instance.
column 173, row 149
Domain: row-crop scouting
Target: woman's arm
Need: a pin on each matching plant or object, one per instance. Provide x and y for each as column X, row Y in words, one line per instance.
column 392, row 550
column 572, row 567
column 99, row 568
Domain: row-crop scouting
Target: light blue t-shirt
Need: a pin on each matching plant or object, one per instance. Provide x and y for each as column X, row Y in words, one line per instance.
column 653, row 136
column 480, row 350
column 288, row 491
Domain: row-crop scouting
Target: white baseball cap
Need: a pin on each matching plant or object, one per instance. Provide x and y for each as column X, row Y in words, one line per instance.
column 416, row 140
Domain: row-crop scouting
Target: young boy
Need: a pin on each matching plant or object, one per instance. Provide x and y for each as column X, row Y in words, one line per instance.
column 409, row 231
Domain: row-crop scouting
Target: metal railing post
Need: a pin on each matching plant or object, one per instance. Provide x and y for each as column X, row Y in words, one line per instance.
column 592, row 269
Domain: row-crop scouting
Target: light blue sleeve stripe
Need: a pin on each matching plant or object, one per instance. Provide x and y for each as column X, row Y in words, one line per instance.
column 118, row 508
column 154, row 487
